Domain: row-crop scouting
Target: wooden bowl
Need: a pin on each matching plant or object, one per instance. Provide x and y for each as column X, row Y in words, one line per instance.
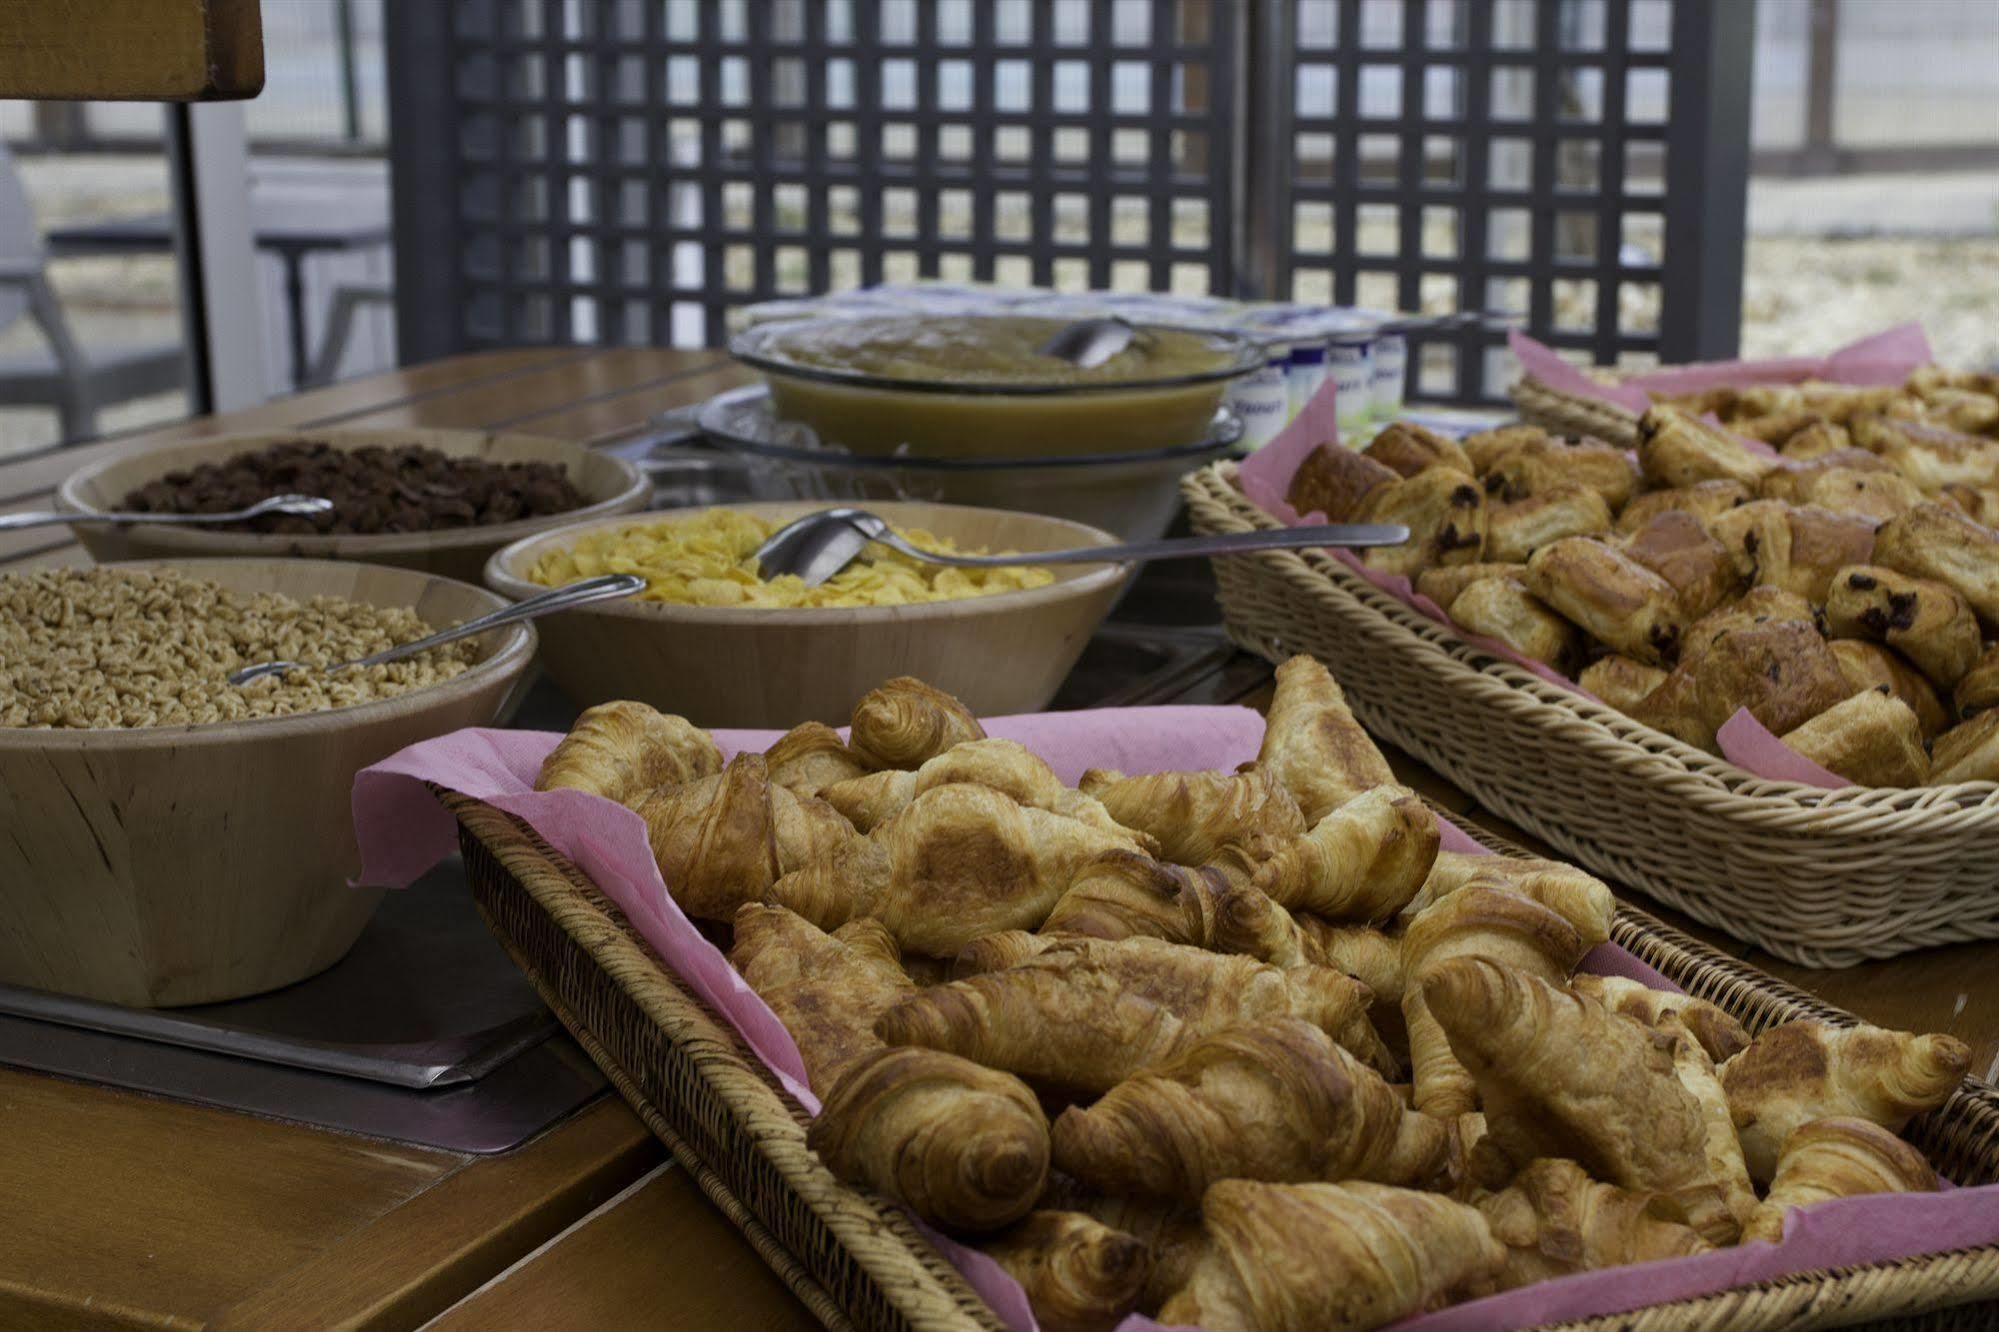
column 610, row 485
column 1007, row 652
column 189, row 864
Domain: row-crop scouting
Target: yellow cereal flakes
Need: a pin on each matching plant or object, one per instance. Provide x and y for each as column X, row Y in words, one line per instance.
column 704, row 560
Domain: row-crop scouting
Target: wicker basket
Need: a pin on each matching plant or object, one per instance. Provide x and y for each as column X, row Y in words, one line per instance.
column 1573, row 414
column 856, row 1263
column 1821, row 878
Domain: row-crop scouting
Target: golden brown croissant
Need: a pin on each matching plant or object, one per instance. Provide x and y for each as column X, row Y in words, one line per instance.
column 1703, row 500
column 959, row 862
column 1578, row 897
column 1554, row 1219
column 827, row 989
column 811, row 757
column 1615, row 599
column 1199, row 818
column 1871, row 739
column 1079, row 1274
column 1329, row 1257
column 1925, row 621
column 1696, row 1071
column 1170, row 1232
column 1866, row 665
column 1937, row 541
column 1313, row 746
column 1368, row 955
column 963, row 1146
column 1122, row 893
column 1475, row 921
column 1676, row 449
column 1837, row 1157
column 1717, row 1031
column 1620, row 681
column 906, row 722
column 1561, row 1075
column 1407, row 448
column 724, row 840
column 1806, row 1070
column 1005, row 766
column 1968, row 752
column 623, row 750
column 1362, row 862
column 1276, row 1101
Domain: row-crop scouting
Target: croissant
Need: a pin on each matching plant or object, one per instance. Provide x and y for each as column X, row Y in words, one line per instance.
column 1170, row 1232
column 1329, row 1257
column 1277, row 1101
column 827, row 989
column 1717, row 1031
column 959, row 862
column 1005, row 766
column 1079, row 1274
column 622, row 750
column 1837, row 1157
column 1199, row 817
column 723, row 840
column 1122, row 893
column 811, row 757
column 1562, row 1076
column 1313, row 746
column 1578, row 897
column 1554, row 1220
column 1696, row 1071
column 1247, row 921
column 1475, row 921
column 1368, row 955
column 1363, row 861
column 1806, row 1070
column 905, row 722
column 963, row 1146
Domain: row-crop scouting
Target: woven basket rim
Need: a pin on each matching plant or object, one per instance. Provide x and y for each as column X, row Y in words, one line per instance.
column 1688, row 772
column 502, row 833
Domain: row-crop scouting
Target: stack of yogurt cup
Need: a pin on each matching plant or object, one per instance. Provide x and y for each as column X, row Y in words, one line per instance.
column 1306, row 346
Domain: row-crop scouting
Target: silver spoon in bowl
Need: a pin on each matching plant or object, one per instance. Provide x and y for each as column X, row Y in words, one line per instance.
column 1088, row 343
column 604, row 587
column 819, row 545
column 301, row 505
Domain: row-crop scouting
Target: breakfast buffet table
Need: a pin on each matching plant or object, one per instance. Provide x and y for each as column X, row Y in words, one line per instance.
column 134, row 1210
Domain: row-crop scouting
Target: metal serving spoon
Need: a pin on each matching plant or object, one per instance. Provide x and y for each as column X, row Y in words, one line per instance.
column 821, row 544
column 1088, row 343
column 303, row 505
column 604, row 587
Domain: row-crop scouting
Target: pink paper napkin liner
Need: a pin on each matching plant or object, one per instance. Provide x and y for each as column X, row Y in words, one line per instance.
column 1266, row 477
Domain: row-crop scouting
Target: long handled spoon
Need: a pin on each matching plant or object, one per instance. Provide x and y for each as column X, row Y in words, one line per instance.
column 304, row 505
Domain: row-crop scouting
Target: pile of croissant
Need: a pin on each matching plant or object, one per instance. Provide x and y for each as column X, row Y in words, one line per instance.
column 1239, row 1049
column 1841, row 590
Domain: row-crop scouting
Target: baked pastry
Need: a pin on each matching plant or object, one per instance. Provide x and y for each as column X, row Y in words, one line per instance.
column 1871, row 666
column 1717, row 1031
column 624, row 750
column 1876, row 496
column 1791, row 479
column 906, row 722
column 722, row 841
column 1407, row 448
column 827, row 989
column 1620, row 681
column 1369, row 956
column 1486, row 447
column 1932, row 456
column 1967, row 752
column 1806, row 1070
column 959, row 862
column 1937, row 541
column 1703, row 499
column 811, row 757
column 1445, row 512
column 1676, row 449
column 1005, row 766
column 1555, row 1220
column 1678, row 547
column 1329, row 1257
column 1816, row 440
column 1695, row 1069
column 1757, row 606
column 1837, row 1157
column 1775, row 544
column 963, row 1146
column 1313, row 746
column 1362, row 862
column 1517, row 528
column 1334, row 480
column 1278, row 1101
column 1615, row 599
column 1125, row 894
column 1976, row 691
column 1200, row 818
column 1560, row 1075
column 1925, row 621
column 1079, row 1274
column 1445, row 583
column 1578, row 897
column 1871, row 739
column 1538, row 466
column 1780, row 670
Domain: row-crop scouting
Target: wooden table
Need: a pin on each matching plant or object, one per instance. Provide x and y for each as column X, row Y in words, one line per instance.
column 128, row 1211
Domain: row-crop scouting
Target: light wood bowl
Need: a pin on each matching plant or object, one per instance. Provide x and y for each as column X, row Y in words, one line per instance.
column 190, row 864
column 1004, row 653
column 610, row 485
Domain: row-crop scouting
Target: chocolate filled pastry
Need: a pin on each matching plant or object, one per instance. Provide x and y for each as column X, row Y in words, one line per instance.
column 1703, row 501
column 1978, row 689
column 1759, row 605
column 1876, row 496
column 1678, row 547
column 1486, row 447
column 1444, row 510
column 1781, row 670
column 1620, row 681
column 1871, row 739
column 1979, row 503
column 1932, row 456
column 1503, row 609
column 1675, row 449
column 1789, row 479
column 1937, row 541
column 1799, row 549
column 1925, row 621
column 1963, row 411
column 1445, row 583
column 1535, row 467
column 1333, row 480
column 1841, row 403
column 1815, row 441
column 1870, row 665
column 1517, row 528
column 1967, row 752
column 1406, row 448
column 1615, row 599
column 1777, row 427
